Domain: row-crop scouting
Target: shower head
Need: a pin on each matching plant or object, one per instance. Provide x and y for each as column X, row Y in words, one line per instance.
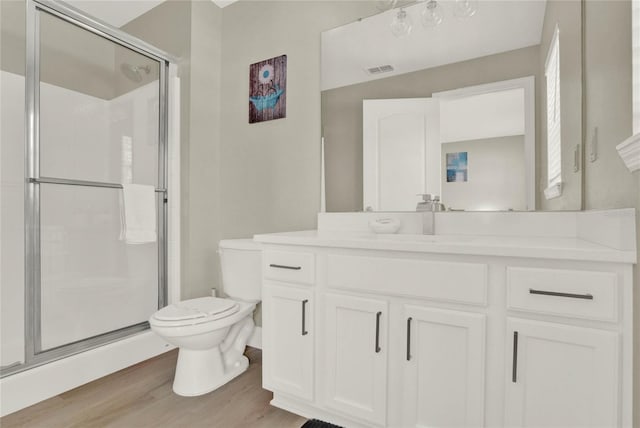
column 134, row 72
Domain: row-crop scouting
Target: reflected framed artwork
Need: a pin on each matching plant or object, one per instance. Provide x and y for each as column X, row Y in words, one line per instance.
column 268, row 89
column 457, row 167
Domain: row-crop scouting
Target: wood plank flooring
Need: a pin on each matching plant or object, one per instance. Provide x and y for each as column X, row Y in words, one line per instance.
column 141, row 396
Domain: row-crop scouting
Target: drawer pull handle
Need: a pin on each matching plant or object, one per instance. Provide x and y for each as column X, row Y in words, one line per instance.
column 514, row 366
column 304, row 317
column 558, row 294
column 378, row 315
column 285, row 267
column 409, row 338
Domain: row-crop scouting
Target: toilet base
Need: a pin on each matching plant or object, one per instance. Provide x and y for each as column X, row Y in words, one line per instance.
column 201, row 371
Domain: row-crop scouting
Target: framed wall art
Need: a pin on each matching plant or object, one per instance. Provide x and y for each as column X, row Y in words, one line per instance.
column 457, row 167
column 268, row 89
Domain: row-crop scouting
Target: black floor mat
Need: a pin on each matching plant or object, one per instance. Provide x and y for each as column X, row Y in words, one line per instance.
column 314, row 423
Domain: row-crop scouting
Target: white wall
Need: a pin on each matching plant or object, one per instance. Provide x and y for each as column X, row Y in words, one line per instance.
column 608, row 75
column 204, row 163
column 11, row 218
column 270, row 171
column 476, row 117
column 495, row 179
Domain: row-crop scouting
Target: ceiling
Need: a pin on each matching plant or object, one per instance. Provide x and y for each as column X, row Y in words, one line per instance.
column 118, row 12
column 498, row 26
column 115, row 12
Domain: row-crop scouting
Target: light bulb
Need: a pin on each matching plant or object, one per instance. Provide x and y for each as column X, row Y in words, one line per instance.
column 465, row 8
column 432, row 14
column 401, row 25
column 384, row 5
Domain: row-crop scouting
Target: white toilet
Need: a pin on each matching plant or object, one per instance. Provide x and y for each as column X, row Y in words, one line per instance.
column 212, row 332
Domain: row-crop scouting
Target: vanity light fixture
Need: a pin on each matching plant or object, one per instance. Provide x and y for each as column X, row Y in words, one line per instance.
column 465, row 8
column 432, row 14
column 401, row 25
column 384, row 5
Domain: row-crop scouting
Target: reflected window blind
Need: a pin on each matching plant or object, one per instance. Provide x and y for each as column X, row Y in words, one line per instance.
column 635, row 6
column 552, row 73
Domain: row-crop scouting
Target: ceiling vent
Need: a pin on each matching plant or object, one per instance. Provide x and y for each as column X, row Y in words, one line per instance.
column 380, row 69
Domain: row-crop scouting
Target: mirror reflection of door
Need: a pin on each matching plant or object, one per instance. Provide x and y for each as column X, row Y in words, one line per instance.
column 400, row 152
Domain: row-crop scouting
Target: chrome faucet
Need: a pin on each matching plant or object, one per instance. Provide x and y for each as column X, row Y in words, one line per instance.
column 430, row 203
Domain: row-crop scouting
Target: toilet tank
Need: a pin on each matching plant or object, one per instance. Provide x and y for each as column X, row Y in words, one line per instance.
column 241, row 262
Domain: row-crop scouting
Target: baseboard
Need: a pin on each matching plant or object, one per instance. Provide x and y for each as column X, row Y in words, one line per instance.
column 29, row 387
column 255, row 341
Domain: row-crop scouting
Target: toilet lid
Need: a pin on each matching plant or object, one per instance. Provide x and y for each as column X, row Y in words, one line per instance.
column 197, row 308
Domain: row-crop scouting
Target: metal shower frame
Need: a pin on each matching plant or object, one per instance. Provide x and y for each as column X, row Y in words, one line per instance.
column 34, row 354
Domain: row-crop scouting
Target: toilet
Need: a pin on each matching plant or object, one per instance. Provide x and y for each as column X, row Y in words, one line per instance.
column 212, row 332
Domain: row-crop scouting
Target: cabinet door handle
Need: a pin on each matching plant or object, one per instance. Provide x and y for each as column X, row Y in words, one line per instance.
column 514, row 367
column 285, row 267
column 304, row 317
column 409, row 338
column 558, row 294
column 378, row 315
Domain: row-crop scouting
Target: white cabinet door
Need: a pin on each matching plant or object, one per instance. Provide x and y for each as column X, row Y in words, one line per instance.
column 288, row 334
column 443, row 368
column 356, row 356
column 560, row 376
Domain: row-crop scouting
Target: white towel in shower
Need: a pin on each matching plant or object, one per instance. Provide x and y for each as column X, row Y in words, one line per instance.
column 138, row 214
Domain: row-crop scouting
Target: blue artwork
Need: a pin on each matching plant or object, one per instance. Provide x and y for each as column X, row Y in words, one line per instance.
column 267, row 89
column 262, row 102
column 456, row 167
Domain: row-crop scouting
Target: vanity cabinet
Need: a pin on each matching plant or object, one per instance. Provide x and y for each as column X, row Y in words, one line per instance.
column 356, row 356
column 413, row 339
column 443, row 368
column 561, row 375
column 288, row 334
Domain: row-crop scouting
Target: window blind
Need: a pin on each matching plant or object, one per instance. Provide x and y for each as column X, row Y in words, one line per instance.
column 554, row 148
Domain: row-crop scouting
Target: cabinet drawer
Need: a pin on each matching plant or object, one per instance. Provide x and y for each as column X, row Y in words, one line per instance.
column 289, row 266
column 580, row 294
column 455, row 282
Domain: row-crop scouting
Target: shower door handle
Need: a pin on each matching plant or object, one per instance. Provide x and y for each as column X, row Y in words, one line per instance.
column 304, row 317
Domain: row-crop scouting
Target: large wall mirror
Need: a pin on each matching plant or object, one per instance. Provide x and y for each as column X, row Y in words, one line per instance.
column 479, row 102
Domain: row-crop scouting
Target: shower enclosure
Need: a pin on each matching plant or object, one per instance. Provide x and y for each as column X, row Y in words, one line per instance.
column 84, row 109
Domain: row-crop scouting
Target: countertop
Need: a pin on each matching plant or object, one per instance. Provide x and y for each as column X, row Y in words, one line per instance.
column 505, row 246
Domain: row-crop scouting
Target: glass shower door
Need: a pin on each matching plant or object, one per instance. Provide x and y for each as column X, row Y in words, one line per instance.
column 98, row 106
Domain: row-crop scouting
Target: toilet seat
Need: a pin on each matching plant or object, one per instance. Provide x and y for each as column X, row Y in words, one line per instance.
column 195, row 311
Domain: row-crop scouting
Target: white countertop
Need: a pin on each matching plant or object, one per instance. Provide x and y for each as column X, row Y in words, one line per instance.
column 507, row 246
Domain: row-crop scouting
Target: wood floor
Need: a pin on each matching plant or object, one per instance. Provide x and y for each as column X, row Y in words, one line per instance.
column 141, row 396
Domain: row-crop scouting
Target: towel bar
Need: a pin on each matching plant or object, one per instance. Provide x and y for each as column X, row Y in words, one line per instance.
column 50, row 180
